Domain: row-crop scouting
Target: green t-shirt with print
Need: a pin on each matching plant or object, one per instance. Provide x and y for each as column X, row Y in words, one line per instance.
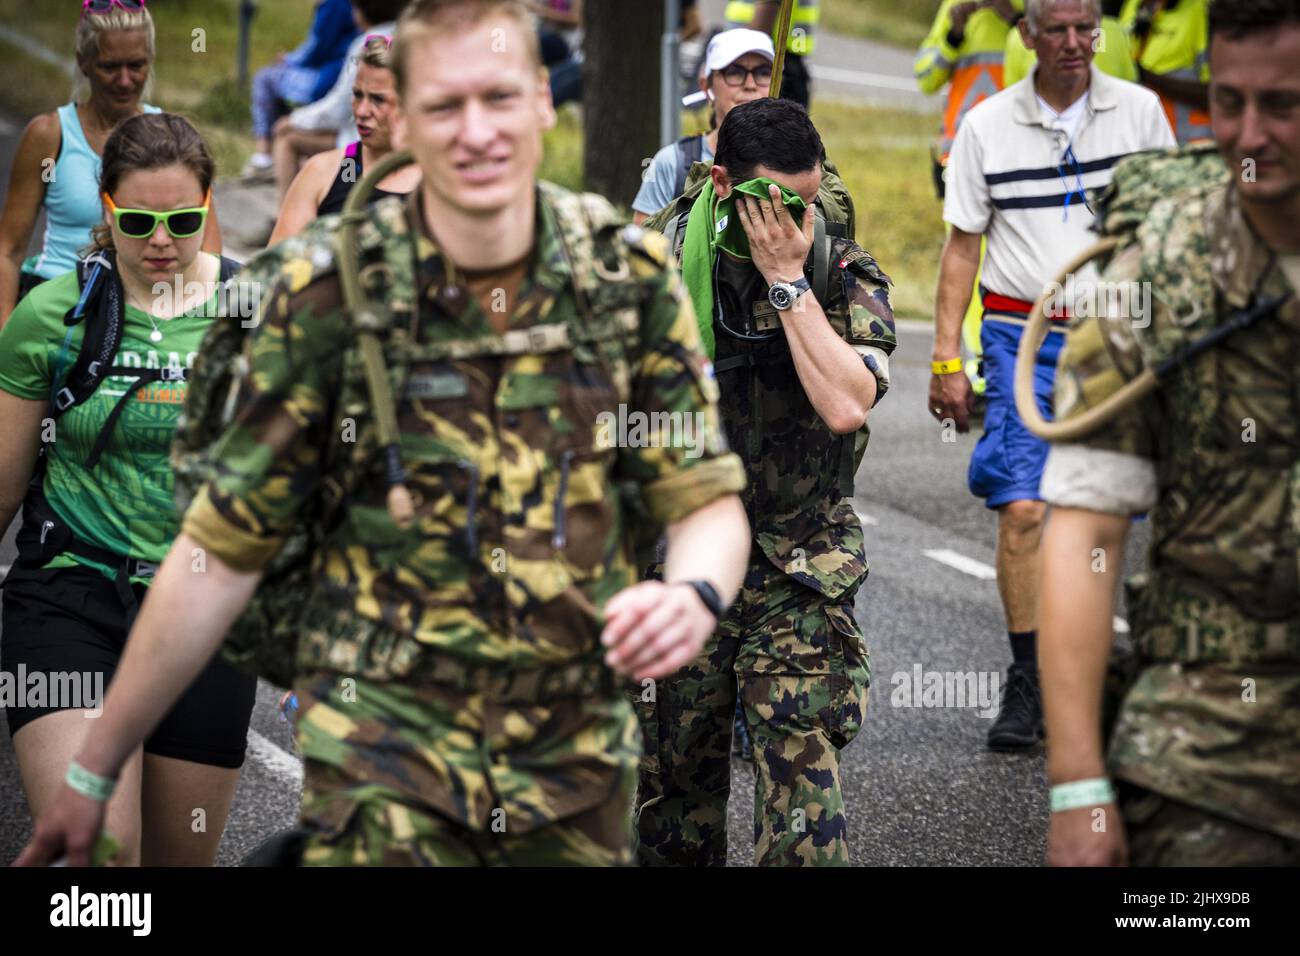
column 124, row 504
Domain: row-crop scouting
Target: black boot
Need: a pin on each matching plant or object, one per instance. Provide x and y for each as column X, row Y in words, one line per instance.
column 1019, row 724
column 741, row 745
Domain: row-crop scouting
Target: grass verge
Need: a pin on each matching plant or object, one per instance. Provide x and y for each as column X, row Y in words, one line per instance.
column 900, row 22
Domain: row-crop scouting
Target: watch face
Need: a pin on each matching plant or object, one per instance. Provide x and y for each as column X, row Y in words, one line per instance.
column 779, row 296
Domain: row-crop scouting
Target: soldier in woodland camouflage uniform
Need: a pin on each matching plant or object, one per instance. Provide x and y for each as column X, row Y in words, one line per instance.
column 457, row 705
column 1206, row 748
column 794, row 408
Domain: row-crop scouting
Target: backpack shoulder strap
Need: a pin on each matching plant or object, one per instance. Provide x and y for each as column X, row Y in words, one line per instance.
column 675, row 233
column 821, row 258
column 690, row 150
column 100, row 309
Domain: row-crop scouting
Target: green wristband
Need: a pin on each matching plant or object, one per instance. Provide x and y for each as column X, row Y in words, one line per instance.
column 89, row 784
column 1082, row 793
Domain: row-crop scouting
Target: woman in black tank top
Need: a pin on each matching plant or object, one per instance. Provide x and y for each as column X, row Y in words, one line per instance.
column 323, row 184
column 350, row 172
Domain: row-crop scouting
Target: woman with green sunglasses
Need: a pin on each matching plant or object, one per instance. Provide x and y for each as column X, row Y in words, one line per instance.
column 97, row 505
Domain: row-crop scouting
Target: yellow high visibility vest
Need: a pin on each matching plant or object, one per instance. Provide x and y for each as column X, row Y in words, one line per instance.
column 803, row 22
column 972, row 73
column 1178, row 46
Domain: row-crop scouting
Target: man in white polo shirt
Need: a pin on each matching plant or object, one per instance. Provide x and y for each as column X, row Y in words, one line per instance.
column 1024, row 167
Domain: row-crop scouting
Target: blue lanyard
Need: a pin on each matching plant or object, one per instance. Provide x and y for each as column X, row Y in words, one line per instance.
column 1079, row 191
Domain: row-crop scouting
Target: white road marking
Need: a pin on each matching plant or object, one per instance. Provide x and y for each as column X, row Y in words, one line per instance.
column 976, row 569
column 884, row 81
column 36, row 48
column 274, row 758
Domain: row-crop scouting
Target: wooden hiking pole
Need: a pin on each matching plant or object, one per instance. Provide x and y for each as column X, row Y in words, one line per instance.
column 781, row 40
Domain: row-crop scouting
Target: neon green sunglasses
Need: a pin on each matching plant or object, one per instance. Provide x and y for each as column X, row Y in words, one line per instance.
column 142, row 223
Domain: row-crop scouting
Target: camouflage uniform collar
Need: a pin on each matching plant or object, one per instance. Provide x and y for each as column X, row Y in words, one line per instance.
column 1238, row 257
column 550, row 268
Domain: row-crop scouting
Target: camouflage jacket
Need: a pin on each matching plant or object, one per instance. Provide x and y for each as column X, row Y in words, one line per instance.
column 800, row 474
column 520, row 535
column 1214, row 453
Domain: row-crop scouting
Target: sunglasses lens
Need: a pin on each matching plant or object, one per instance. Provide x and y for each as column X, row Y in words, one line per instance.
column 137, row 225
column 185, row 224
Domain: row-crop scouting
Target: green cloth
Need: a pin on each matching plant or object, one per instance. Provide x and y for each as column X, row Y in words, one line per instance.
column 124, row 504
column 713, row 225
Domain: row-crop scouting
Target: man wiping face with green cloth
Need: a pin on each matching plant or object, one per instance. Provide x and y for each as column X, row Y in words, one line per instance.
column 797, row 378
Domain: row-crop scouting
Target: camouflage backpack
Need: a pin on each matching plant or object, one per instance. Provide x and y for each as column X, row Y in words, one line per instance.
column 264, row 640
column 1143, row 179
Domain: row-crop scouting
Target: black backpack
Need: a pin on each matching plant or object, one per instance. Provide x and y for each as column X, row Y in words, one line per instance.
column 43, row 535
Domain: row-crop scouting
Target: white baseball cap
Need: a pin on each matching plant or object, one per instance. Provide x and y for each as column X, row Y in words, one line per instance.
column 730, row 45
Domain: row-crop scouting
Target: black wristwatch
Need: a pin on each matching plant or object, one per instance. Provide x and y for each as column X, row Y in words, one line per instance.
column 709, row 595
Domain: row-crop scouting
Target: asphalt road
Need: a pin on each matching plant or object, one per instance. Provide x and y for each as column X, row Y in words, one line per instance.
column 854, row 68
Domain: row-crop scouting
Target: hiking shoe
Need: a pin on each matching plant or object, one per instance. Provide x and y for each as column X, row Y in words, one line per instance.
column 1019, row 724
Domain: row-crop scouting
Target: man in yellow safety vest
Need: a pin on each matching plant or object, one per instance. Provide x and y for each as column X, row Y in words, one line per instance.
column 1171, row 45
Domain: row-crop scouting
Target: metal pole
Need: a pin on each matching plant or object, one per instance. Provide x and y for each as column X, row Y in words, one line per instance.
column 247, row 8
column 670, row 108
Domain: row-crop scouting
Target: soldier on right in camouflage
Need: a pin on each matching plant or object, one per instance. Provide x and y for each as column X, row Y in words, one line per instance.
column 1205, row 752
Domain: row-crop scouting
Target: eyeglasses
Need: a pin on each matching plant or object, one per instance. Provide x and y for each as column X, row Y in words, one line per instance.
column 143, row 223
column 735, row 74
column 388, row 40
column 106, row 6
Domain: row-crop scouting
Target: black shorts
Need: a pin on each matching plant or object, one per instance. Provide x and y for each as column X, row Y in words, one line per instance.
column 71, row 620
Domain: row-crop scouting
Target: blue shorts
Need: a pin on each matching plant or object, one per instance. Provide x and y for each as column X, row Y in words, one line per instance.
column 1007, row 464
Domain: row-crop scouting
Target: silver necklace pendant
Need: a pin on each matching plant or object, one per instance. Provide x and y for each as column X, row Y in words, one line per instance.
column 155, row 336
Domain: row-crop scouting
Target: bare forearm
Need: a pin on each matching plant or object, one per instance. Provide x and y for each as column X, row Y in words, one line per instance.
column 840, row 387
column 1082, row 554
column 180, row 626
column 710, row 543
column 765, row 14
column 10, row 271
column 957, row 269
column 1188, row 92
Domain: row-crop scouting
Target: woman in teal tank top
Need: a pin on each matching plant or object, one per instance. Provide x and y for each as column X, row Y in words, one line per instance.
column 98, row 512
column 58, row 159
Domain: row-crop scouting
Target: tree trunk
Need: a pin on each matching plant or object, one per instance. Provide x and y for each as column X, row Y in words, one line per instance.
column 620, row 94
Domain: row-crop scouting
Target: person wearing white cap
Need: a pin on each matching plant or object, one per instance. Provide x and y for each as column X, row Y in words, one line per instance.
column 738, row 69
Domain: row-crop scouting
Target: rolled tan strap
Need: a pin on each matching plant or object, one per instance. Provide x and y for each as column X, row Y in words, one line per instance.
column 1031, row 340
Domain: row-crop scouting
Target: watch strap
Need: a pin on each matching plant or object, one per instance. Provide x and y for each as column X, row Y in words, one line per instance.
column 709, row 595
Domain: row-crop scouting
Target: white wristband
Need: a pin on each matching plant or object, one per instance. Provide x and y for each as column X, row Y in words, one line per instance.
column 1082, row 793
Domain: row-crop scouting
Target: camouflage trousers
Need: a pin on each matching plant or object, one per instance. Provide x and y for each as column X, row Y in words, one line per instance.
column 1165, row 832
column 411, row 774
column 800, row 664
